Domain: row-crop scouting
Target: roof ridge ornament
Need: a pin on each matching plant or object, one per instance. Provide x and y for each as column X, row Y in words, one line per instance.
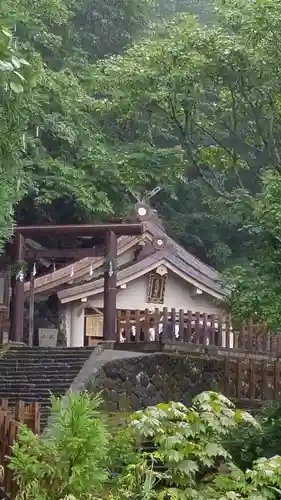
column 159, row 243
column 143, row 211
column 147, row 194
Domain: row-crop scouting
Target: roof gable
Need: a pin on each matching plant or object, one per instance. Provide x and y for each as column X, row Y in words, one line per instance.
column 180, row 261
column 141, row 268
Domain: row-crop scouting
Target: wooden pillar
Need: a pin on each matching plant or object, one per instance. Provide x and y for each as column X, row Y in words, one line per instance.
column 110, row 281
column 31, row 308
column 17, row 298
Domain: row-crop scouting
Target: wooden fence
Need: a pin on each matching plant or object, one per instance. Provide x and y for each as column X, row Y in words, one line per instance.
column 250, row 382
column 196, row 328
column 10, row 420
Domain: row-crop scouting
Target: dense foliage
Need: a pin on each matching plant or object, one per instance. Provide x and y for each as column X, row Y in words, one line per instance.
column 187, row 458
column 127, row 96
column 65, row 156
column 247, row 443
column 68, row 166
column 205, row 101
column 13, row 73
column 164, row 452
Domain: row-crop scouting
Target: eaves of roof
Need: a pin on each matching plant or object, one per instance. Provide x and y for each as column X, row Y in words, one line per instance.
column 146, row 265
column 183, row 254
column 91, row 287
column 60, row 277
column 181, row 260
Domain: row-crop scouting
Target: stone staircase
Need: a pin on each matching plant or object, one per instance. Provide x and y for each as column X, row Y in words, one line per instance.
column 30, row 374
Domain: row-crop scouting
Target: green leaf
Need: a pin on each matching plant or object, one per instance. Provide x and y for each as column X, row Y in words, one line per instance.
column 16, row 87
column 5, row 66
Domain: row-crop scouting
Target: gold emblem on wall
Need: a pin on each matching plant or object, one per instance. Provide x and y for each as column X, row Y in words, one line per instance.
column 156, row 288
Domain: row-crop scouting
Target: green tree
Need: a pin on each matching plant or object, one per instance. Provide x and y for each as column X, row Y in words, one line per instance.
column 207, row 99
column 14, row 76
column 70, row 169
column 255, row 281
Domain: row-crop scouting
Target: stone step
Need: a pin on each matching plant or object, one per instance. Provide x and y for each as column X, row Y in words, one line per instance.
column 27, row 374
column 63, row 378
column 47, row 375
column 35, row 387
column 30, row 359
column 66, row 355
column 27, row 397
column 48, row 349
column 46, row 384
column 40, row 364
column 16, row 355
column 35, row 392
column 59, row 367
column 60, row 362
column 40, row 386
column 40, row 378
column 71, row 355
column 33, row 374
column 47, row 361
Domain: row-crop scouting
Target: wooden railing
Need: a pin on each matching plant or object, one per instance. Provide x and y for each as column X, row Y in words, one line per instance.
column 196, row 328
column 251, row 381
column 10, row 420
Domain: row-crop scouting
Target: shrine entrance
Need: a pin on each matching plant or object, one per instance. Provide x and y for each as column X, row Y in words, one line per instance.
column 65, row 244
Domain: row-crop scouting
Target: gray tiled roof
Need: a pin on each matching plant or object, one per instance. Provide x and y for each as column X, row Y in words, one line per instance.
column 174, row 254
column 122, row 274
column 169, row 255
column 183, row 254
column 196, row 274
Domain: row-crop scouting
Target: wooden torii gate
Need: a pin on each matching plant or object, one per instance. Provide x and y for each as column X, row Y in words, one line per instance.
column 106, row 233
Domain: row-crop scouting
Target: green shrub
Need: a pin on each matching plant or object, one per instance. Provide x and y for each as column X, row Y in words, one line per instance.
column 246, row 443
column 187, row 458
column 70, row 459
column 164, row 452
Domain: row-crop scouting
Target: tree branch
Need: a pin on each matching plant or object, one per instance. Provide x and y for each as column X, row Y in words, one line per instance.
column 186, row 144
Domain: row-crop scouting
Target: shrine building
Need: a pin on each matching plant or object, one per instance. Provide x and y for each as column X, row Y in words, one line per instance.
column 153, row 273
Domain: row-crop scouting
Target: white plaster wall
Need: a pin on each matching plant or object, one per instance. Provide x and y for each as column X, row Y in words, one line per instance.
column 67, row 311
column 177, row 295
column 132, row 297
column 77, row 325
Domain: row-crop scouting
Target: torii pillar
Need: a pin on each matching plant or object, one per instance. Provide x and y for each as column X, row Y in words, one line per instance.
column 17, row 298
column 110, row 232
column 110, row 284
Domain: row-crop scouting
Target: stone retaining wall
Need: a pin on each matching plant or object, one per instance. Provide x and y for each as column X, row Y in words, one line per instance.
column 134, row 383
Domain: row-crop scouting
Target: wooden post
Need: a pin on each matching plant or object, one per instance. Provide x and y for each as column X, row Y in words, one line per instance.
column 31, row 310
column 17, row 299
column 110, row 281
column 252, row 373
column 189, row 336
column 276, row 379
column 138, row 326
column 165, row 325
